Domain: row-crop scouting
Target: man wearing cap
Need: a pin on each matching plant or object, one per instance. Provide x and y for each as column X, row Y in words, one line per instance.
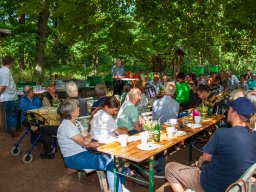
column 117, row 72
column 8, row 95
column 227, row 155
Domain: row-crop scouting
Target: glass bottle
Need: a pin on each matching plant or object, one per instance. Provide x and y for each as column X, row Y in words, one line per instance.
column 157, row 131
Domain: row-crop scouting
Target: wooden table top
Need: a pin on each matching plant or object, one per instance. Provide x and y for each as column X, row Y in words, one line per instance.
column 49, row 114
column 131, row 152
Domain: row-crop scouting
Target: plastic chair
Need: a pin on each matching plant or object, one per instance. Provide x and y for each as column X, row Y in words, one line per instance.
column 246, row 183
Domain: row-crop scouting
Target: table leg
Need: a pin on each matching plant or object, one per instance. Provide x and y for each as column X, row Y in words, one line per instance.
column 190, row 150
column 114, row 171
column 151, row 175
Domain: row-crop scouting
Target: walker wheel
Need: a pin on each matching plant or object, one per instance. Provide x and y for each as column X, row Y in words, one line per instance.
column 27, row 158
column 15, row 151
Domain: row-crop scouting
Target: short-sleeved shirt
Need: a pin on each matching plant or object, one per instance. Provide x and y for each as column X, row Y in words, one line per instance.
column 117, row 71
column 103, row 126
column 66, row 131
column 182, row 93
column 6, row 79
column 156, row 85
column 165, row 107
column 233, row 152
column 26, row 104
column 150, row 91
column 127, row 115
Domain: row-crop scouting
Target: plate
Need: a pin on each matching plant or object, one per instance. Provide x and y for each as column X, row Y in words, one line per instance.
column 179, row 133
column 148, row 147
column 194, row 126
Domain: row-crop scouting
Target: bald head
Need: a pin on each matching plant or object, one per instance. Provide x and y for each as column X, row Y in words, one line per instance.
column 134, row 95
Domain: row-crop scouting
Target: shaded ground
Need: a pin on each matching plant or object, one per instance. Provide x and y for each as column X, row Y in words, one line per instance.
column 51, row 175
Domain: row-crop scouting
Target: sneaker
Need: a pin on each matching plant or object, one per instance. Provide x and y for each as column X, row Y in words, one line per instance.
column 47, row 156
column 159, row 175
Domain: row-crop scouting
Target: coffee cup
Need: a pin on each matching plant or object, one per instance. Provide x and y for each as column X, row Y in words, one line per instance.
column 197, row 119
column 123, row 139
column 144, row 137
column 170, row 131
column 173, row 122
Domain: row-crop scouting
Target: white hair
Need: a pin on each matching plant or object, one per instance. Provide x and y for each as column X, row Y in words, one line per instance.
column 71, row 89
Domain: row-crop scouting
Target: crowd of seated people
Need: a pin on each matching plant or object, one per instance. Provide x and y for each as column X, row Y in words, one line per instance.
column 111, row 117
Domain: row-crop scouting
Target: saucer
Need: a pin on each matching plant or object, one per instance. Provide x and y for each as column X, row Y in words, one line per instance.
column 179, row 133
column 194, row 126
column 148, row 146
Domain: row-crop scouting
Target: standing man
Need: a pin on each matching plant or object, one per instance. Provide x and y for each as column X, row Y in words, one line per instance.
column 8, row 95
column 117, row 72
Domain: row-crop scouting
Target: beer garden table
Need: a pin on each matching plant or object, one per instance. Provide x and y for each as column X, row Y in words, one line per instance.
column 135, row 155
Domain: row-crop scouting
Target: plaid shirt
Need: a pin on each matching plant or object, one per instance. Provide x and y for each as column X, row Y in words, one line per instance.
column 210, row 101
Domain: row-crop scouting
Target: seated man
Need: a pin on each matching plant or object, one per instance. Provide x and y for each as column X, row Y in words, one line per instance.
column 227, row 155
column 182, row 90
column 156, row 82
column 128, row 115
column 72, row 92
column 50, row 97
column 101, row 91
column 208, row 99
column 166, row 107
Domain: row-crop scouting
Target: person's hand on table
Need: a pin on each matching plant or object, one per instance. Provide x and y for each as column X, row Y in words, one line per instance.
column 121, row 130
column 87, row 139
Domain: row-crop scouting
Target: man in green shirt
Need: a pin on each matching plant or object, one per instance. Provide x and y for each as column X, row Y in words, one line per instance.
column 128, row 115
column 182, row 90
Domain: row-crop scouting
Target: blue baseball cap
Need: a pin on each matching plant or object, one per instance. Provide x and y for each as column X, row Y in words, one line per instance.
column 242, row 106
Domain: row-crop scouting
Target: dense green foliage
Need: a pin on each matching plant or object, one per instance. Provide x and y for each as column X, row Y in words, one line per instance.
column 83, row 37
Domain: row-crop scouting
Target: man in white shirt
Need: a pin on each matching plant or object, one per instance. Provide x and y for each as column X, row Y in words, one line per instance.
column 8, row 95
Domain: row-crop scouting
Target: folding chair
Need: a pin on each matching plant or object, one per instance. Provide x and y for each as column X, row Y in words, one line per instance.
column 246, row 183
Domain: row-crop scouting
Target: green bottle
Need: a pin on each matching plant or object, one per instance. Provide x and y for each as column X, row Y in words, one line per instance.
column 157, row 131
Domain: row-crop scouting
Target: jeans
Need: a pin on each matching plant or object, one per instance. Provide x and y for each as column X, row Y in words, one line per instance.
column 89, row 160
column 11, row 116
column 46, row 136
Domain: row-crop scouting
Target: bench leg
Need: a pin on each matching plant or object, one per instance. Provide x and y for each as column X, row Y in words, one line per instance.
column 102, row 181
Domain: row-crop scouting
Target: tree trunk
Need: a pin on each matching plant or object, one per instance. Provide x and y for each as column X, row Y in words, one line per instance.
column 21, row 20
column 95, row 60
column 41, row 32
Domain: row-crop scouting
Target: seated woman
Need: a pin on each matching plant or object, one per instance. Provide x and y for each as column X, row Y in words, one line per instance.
column 73, row 140
column 29, row 101
column 102, row 125
column 50, row 98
